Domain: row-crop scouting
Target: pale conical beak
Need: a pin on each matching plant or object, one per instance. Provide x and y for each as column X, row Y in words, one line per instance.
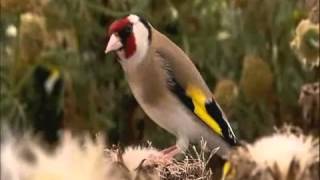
column 113, row 44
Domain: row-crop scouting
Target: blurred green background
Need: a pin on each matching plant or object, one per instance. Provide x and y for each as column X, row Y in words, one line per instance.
column 241, row 47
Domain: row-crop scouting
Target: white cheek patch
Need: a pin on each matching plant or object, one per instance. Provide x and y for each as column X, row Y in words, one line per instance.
column 141, row 39
column 133, row 18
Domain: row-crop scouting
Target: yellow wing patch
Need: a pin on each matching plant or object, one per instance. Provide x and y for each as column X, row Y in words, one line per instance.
column 226, row 169
column 199, row 100
column 54, row 73
column 52, row 79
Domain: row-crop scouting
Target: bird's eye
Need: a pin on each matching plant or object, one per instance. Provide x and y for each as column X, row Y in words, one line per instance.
column 127, row 29
column 125, row 32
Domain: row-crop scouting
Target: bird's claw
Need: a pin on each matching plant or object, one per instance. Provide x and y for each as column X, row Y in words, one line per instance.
column 160, row 160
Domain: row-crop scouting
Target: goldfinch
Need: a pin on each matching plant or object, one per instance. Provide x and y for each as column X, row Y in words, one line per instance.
column 168, row 86
column 44, row 103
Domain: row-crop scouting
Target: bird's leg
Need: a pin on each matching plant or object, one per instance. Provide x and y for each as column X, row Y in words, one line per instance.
column 165, row 156
column 169, row 149
column 170, row 152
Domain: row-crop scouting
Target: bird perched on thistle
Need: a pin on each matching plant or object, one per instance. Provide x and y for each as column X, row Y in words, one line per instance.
column 168, row 86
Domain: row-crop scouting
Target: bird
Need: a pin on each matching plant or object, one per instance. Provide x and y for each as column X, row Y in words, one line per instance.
column 44, row 102
column 168, row 87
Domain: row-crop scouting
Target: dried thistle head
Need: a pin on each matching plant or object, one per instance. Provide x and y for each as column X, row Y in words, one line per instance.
column 226, row 92
column 74, row 158
column 309, row 100
column 130, row 164
column 13, row 165
column 20, row 6
column 285, row 155
column 312, row 6
column 256, row 79
column 193, row 166
column 306, row 43
column 32, row 33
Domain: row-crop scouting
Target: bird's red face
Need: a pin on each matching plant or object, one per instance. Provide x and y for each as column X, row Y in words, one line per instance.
column 122, row 37
column 129, row 37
